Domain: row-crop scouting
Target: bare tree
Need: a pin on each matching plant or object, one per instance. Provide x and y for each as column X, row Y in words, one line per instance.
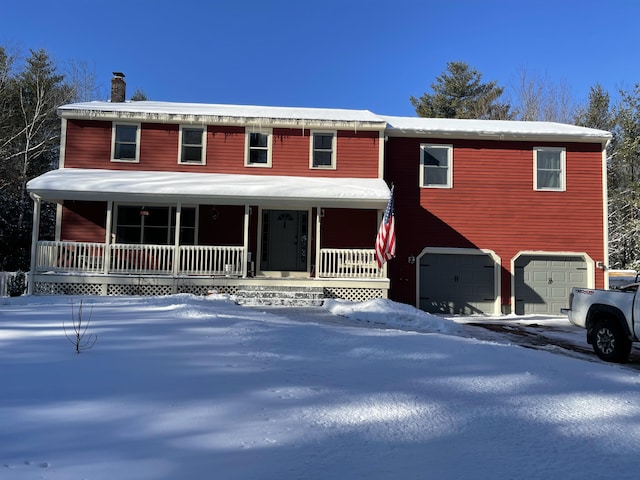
column 82, row 79
column 540, row 99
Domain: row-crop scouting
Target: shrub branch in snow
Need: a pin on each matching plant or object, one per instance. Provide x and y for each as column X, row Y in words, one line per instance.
column 77, row 337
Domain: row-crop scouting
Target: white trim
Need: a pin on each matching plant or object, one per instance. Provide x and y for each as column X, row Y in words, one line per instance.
column 58, row 230
column 382, row 138
column 114, row 125
column 605, row 213
column 544, row 253
column 334, row 149
column 563, row 169
column 35, row 234
column 247, row 147
column 63, row 142
column 245, row 240
column 318, row 240
column 497, row 283
column 449, row 148
column 203, row 146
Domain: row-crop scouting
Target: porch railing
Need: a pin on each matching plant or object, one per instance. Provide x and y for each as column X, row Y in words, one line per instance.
column 71, row 256
column 204, row 260
column 86, row 257
column 348, row 263
column 139, row 259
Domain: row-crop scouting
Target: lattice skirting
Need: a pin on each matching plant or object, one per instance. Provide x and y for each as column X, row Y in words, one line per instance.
column 353, row 294
column 51, row 288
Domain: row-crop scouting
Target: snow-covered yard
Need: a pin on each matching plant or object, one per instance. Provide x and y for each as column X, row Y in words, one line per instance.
column 186, row 387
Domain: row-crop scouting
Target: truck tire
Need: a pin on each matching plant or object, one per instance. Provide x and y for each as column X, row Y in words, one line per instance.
column 610, row 342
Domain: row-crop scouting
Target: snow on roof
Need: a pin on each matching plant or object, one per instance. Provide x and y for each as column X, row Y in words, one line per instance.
column 240, row 112
column 332, row 117
column 508, row 129
column 186, row 187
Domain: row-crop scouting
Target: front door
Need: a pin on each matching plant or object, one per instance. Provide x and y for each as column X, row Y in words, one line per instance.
column 284, row 240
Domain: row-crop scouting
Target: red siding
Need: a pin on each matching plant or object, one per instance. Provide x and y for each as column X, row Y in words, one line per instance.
column 492, row 205
column 226, row 229
column 88, row 145
column 83, row 221
column 361, row 226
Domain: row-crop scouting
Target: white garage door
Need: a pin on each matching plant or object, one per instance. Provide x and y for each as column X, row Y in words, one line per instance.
column 543, row 283
column 457, row 283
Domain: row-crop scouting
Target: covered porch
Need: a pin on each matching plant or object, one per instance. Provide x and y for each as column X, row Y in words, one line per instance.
column 172, row 232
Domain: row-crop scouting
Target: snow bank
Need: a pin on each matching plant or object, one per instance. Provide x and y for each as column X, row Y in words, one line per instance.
column 382, row 311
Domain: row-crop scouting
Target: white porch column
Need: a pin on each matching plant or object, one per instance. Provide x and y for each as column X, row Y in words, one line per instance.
column 106, row 256
column 176, row 240
column 35, row 234
column 245, row 262
column 318, row 223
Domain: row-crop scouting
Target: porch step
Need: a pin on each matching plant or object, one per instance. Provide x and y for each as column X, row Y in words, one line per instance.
column 280, row 295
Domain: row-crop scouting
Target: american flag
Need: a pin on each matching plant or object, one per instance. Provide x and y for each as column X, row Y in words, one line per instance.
column 386, row 239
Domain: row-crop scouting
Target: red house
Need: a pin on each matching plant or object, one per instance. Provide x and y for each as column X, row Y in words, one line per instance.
column 496, row 216
column 261, row 202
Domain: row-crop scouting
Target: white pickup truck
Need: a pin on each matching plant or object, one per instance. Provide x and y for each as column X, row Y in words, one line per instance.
column 611, row 317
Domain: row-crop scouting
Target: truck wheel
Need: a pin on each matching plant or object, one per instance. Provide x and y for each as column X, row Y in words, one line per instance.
column 610, row 342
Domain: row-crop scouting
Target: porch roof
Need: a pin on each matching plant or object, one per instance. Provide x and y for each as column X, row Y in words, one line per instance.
column 208, row 188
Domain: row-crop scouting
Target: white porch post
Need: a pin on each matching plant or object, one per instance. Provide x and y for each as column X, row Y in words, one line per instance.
column 176, row 240
column 35, row 234
column 245, row 262
column 106, row 255
column 318, row 259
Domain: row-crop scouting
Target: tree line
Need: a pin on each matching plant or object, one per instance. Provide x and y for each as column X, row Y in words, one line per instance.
column 32, row 87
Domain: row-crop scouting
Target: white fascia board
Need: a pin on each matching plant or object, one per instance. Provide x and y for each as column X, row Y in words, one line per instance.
column 228, row 115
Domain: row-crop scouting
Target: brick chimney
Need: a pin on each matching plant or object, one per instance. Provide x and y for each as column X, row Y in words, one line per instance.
column 118, row 87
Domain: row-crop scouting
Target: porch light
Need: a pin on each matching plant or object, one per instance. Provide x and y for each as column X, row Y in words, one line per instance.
column 411, row 259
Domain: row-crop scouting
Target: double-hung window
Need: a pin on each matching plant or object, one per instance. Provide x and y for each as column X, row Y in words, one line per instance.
column 125, row 142
column 549, row 165
column 323, row 150
column 436, row 166
column 258, row 148
column 192, row 145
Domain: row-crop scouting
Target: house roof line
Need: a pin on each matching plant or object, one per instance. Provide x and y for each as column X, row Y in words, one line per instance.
column 209, row 188
column 310, row 118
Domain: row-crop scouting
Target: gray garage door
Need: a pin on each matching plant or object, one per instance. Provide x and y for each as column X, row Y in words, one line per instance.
column 457, row 283
column 543, row 283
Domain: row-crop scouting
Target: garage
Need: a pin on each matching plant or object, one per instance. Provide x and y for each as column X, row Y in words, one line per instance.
column 458, row 283
column 542, row 283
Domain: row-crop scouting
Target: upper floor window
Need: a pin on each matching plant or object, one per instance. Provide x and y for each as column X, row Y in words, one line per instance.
column 549, row 168
column 125, row 142
column 323, row 150
column 258, row 149
column 192, row 145
column 436, row 166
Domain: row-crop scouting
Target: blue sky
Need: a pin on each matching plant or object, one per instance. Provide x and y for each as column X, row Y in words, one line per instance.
column 336, row 53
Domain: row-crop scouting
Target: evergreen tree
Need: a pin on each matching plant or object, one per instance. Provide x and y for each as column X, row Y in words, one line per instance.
column 460, row 93
column 623, row 170
column 30, row 146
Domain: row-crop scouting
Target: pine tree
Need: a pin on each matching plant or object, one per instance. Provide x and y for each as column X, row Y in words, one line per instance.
column 460, row 93
column 29, row 147
column 623, row 170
